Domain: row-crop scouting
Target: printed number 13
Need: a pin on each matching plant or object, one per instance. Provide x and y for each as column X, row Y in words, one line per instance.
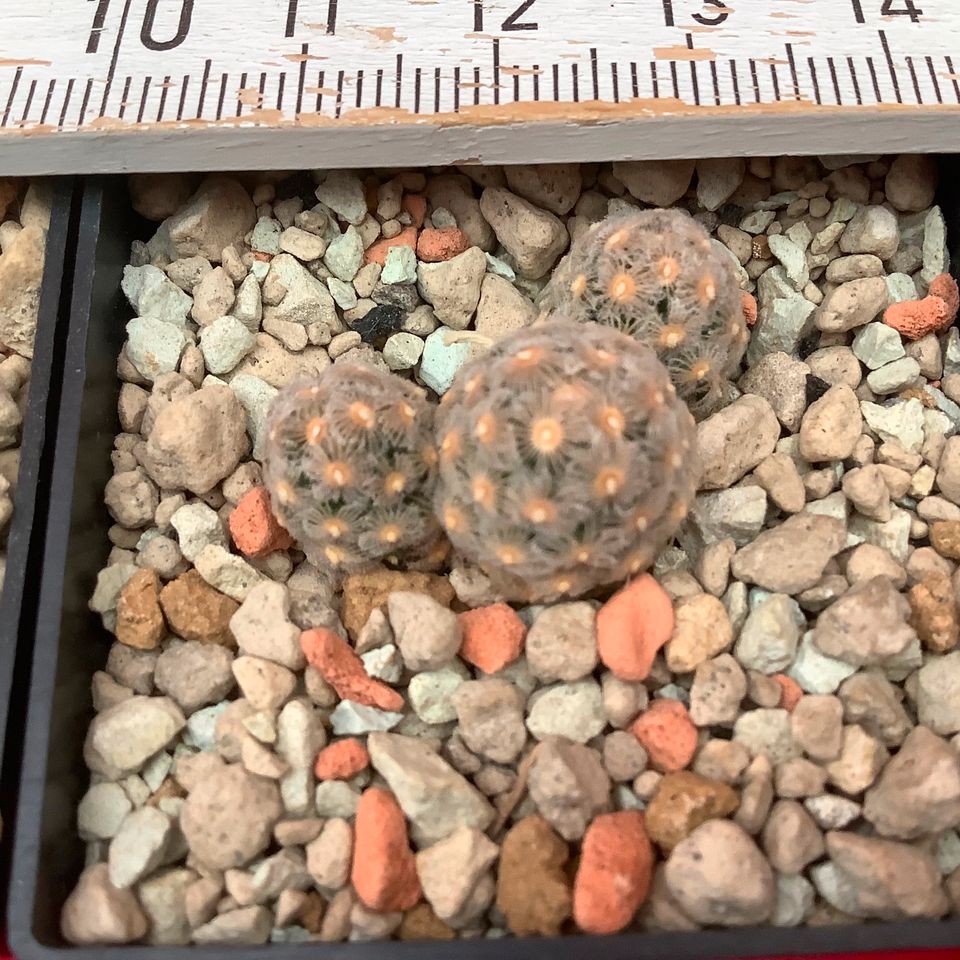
column 701, row 18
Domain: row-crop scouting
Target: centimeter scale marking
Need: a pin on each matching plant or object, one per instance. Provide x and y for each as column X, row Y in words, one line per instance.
column 110, row 85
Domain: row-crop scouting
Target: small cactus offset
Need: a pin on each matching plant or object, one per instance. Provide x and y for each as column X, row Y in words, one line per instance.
column 566, row 460
column 656, row 276
column 351, row 466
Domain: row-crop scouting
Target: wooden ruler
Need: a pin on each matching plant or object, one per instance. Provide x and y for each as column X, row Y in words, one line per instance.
column 113, row 85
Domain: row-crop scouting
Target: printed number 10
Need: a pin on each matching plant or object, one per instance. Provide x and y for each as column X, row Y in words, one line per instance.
column 147, row 28
column 890, row 8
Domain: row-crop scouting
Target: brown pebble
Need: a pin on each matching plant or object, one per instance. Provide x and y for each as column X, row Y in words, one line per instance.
column 139, row 618
column 533, row 891
column 933, row 612
column 195, row 611
column 364, row 592
column 421, row 923
column 945, row 537
column 682, row 802
column 311, row 916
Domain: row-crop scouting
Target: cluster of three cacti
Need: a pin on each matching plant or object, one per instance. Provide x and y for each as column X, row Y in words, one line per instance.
column 562, row 459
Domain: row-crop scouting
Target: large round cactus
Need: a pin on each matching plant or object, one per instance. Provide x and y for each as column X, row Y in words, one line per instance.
column 656, row 276
column 566, row 460
column 351, row 465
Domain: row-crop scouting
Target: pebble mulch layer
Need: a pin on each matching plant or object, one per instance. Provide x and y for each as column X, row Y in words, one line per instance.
column 763, row 730
column 24, row 221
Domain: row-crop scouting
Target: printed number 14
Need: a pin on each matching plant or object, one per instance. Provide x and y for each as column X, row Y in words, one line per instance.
column 890, row 8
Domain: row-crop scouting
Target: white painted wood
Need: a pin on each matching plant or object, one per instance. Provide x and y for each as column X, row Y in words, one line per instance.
column 102, row 85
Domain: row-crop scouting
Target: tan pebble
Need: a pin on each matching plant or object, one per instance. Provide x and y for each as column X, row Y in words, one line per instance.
column 701, row 631
column 533, row 891
column 364, row 592
column 791, row 839
column 682, row 802
column 861, row 758
column 139, row 617
column 933, row 615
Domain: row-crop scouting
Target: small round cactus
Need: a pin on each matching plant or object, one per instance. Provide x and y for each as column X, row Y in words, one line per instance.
column 351, row 466
column 566, row 460
column 656, row 276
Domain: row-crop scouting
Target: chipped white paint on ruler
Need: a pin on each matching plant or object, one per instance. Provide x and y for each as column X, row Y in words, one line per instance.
column 104, row 85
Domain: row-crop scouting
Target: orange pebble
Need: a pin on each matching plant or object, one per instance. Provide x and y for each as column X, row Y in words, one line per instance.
column 790, row 691
column 254, row 528
column 492, row 636
column 377, row 252
column 632, row 626
column 914, row 319
column 444, row 243
column 667, row 733
column 416, row 205
column 616, row 866
column 384, row 871
column 342, row 760
column 343, row 670
column 749, row 306
column 945, row 287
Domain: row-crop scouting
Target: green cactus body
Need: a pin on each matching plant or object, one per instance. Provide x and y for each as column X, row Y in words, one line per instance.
column 566, row 460
column 351, row 466
column 656, row 276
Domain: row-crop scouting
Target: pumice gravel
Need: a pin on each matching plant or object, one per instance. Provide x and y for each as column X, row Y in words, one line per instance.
column 762, row 729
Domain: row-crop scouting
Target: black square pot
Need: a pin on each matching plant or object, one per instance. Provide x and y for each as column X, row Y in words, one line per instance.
column 70, row 644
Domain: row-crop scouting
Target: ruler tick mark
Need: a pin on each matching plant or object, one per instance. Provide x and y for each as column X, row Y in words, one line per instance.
column 143, row 98
column 916, row 82
column 339, row 106
column 111, row 70
column 873, row 79
column 125, row 96
column 221, row 100
column 776, row 82
column 516, row 83
column 755, row 79
column 716, row 82
column 890, row 64
column 84, row 103
column 793, row 71
column 203, row 87
column 183, row 96
column 814, row 80
column 13, row 93
column 320, row 92
column 933, row 79
column 281, row 83
column 576, row 82
column 856, row 82
column 163, row 98
column 399, row 80
column 736, row 81
column 46, row 101
column 359, row 100
column 673, row 76
column 456, row 90
column 416, row 90
column 948, row 60
column 496, row 71
column 536, row 82
column 66, row 104
column 476, row 86
column 556, row 82
column 379, row 89
column 836, row 84
column 594, row 74
column 436, row 90
column 243, row 86
column 27, row 105
column 613, row 80
column 302, row 77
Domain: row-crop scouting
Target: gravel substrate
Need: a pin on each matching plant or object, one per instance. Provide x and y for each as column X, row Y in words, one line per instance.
column 762, row 730
column 24, row 220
